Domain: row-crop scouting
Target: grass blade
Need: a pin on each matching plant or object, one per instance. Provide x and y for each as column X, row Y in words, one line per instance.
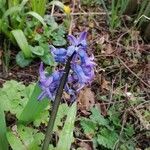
column 33, row 107
column 3, row 139
column 66, row 136
column 38, row 17
column 14, row 9
column 22, row 42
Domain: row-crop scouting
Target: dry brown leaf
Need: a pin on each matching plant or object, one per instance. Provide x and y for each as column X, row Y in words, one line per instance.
column 86, row 99
column 109, row 50
column 85, row 146
column 105, row 84
column 102, row 108
column 101, row 40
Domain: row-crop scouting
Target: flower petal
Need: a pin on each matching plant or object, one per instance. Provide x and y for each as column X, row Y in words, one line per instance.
column 41, row 72
column 82, row 36
column 72, row 40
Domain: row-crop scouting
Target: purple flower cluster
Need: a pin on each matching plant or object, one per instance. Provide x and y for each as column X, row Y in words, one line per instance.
column 82, row 69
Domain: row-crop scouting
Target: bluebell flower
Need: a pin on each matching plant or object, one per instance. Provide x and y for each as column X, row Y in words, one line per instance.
column 48, row 84
column 77, row 44
column 59, row 54
column 81, row 73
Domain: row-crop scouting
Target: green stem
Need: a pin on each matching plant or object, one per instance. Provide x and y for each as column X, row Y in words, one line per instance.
column 56, row 105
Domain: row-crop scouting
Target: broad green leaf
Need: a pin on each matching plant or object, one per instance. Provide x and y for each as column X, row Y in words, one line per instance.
column 24, row 138
column 62, row 111
column 3, row 139
column 48, row 59
column 37, row 16
column 22, row 42
column 37, row 50
column 21, row 60
column 33, row 107
column 14, row 142
column 66, row 136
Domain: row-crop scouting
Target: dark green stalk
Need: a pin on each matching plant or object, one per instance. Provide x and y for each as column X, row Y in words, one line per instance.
column 56, row 105
column 9, row 19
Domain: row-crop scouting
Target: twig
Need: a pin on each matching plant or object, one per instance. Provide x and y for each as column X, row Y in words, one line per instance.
column 80, row 13
column 52, row 11
column 71, row 21
column 111, row 93
column 134, row 73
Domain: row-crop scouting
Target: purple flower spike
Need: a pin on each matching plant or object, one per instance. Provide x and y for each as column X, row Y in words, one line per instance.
column 81, row 73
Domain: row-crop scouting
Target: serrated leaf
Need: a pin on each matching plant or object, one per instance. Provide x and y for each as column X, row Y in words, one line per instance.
column 88, row 126
column 97, row 117
column 13, row 97
column 22, row 42
column 66, row 136
column 107, row 138
column 22, row 61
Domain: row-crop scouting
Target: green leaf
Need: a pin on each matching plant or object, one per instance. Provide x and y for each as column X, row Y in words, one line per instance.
column 22, row 61
column 14, row 142
column 59, row 41
column 3, row 139
column 97, row 117
column 62, row 111
column 88, row 125
column 22, row 42
column 66, row 136
column 14, row 9
column 107, row 138
column 33, row 107
column 37, row 50
column 51, row 22
column 37, row 16
column 48, row 59
column 23, row 138
column 43, row 118
column 14, row 96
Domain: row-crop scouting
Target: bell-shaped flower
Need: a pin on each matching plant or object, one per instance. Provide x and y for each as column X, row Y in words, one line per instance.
column 48, row 84
column 77, row 44
column 59, row 54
